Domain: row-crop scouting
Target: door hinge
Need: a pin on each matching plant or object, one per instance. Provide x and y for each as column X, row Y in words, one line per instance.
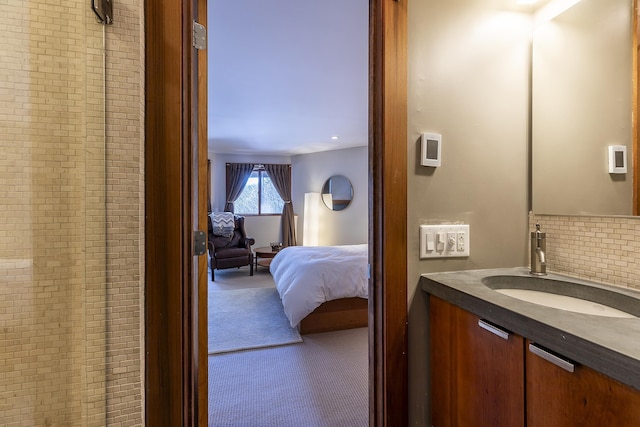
column 199, row 36
column 199, row 243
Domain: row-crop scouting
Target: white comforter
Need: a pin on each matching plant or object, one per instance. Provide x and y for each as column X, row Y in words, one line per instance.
column 307, row 276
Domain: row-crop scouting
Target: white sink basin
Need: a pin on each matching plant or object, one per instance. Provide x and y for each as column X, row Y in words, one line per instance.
column 592, row 299
column 564, row 302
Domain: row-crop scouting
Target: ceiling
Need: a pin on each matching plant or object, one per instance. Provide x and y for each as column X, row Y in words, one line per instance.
column 287, row 75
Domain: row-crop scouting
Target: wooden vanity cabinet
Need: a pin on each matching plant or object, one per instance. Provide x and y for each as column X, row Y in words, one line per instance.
column 476, row 376
column 582, row 398
column 479, row 379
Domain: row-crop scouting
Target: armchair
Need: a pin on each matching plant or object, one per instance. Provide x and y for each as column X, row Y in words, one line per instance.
column 226, row 252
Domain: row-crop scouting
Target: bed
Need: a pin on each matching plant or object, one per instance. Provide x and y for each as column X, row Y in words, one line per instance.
column 323, row 288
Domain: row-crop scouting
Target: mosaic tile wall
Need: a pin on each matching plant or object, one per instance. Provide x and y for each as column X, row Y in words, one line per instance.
column 124, row 42
column 52, row 234
column 603, row 249
column 71, row 200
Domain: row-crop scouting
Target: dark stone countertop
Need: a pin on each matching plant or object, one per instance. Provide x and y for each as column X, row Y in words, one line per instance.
column 608, row 345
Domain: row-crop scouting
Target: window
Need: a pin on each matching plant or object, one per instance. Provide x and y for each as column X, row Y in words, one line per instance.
column 259, row 196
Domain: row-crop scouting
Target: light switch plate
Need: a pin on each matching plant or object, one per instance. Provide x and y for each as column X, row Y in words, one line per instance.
column 460, row 248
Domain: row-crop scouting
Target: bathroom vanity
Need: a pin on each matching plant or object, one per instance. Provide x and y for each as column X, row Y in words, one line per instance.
column 497, row 360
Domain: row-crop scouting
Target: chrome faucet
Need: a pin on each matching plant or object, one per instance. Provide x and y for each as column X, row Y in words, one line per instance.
column 538, row 252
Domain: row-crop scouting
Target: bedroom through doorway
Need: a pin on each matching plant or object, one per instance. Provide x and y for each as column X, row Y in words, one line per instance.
column 175, row 387
column 284, row 90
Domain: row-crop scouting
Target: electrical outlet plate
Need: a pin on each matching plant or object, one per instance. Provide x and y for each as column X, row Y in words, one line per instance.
column 459, row 248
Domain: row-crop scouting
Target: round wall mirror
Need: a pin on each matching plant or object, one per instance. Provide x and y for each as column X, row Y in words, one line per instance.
column 337, row 192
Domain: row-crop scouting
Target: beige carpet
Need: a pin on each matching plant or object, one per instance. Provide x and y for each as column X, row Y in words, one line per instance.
column 322, row 382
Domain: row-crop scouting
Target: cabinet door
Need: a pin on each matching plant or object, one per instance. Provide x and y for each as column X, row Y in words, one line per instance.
column 477, row 377
column 584, row 397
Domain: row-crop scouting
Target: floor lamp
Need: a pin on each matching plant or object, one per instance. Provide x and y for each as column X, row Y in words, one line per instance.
column 311, row 224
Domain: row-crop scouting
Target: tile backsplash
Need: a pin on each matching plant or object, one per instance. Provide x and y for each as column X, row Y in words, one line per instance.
column 598, row 248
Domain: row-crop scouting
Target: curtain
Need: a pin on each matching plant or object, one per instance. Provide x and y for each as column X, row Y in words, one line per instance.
column 237, row 176
column 281, row 178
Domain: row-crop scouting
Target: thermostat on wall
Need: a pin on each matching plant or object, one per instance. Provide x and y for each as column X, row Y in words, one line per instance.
column 617, row 159
column 431, row 152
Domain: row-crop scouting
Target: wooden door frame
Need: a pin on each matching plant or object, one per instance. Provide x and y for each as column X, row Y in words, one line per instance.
column 163, row 364
column 204, row 196
column 169, row 369
column 388, row 365
column 635, row 144
column 175, row 362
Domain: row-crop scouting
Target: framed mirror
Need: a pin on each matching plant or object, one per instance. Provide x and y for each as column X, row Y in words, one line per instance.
column 583, row 95
column 337, row 192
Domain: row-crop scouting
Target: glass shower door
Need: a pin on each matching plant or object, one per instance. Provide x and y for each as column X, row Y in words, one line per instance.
column 52, row 204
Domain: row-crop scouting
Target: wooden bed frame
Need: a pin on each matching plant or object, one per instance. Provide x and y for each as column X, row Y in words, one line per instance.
column 336, row 315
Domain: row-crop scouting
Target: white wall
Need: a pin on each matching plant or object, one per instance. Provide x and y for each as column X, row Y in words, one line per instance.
column 310, row 171
column 265, row 229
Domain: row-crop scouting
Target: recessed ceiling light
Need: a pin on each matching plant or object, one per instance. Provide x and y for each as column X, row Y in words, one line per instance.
column 334, row 137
